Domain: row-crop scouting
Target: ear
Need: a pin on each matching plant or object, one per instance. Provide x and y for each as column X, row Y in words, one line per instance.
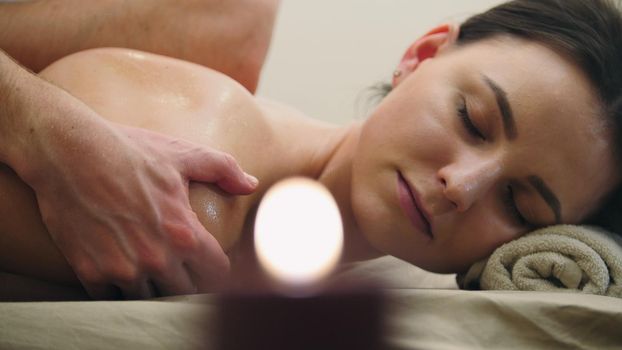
column 428, row 46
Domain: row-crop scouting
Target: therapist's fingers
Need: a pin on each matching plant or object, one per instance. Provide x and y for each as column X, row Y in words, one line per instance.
column 102, row 291
column 177, row 281
column 208, row 270
column 94, row 283
column 139, row 289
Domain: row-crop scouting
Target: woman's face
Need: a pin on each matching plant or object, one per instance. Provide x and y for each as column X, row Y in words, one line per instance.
column 490, row 140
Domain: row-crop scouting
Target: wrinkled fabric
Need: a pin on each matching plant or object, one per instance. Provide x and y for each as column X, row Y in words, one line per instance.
column 415, row 319
column 563, row 258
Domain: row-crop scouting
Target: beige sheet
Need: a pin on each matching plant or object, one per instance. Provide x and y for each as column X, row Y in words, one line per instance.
column 417, row 319
column 438, row 318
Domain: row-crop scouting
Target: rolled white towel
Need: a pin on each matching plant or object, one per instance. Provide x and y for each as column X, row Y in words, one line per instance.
column 564, row 258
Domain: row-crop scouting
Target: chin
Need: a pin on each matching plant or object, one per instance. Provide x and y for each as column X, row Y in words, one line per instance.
column 373, row 218
column 373, row 199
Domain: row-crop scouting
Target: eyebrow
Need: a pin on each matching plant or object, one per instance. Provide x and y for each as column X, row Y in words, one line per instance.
column 549, row 197
column 507, row 116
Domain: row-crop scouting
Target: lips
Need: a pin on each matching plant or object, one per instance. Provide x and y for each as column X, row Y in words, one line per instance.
column 410, row 206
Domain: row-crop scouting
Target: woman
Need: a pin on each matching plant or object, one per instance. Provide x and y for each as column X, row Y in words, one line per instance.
column 493, row 128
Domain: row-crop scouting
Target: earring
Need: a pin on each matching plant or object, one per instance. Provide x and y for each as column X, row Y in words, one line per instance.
column 397, row 73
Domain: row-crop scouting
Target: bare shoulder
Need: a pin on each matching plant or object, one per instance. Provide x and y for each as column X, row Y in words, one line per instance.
column 156, row 92
column 120, row 82
column 122, row 62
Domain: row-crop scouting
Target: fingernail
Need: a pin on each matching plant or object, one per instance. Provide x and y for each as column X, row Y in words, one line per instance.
column 251, row 179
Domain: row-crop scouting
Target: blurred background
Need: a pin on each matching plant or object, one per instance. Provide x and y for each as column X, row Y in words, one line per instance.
column 325, row 54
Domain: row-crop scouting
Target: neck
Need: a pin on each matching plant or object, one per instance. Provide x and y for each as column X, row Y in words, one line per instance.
column 336, row 176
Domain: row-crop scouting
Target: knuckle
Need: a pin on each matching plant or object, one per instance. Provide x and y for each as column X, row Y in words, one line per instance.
column 122, row 273
column 217, row 276
column 154, row 264
column 229, row 162
column 225, row 267
column 87, row 272
column 50, row 220
column 169, row 179
column 182, row 237
column 221, row 272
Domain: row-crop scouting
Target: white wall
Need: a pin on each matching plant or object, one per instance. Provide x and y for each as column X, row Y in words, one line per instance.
column 325, row 53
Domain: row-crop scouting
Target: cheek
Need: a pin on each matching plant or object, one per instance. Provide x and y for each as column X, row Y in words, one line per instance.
column 422, row 133
column 473, row 236
column 485, row 230
column 429, row 135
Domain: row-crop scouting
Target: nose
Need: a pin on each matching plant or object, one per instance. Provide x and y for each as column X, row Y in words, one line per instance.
column 467, row 180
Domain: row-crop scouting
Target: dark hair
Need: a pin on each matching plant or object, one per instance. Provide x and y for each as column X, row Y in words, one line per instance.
column 588, row 32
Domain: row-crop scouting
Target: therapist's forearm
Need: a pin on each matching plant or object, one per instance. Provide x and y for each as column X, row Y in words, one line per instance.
column 26, row 104
column 37, row 33
column 14, row 118
column 231, row 36
column 33, row 112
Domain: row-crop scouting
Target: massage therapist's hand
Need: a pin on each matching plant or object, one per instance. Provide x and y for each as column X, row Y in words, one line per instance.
column 114, row 199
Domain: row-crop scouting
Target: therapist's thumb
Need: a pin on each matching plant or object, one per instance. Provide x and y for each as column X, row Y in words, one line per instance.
column 209, row 165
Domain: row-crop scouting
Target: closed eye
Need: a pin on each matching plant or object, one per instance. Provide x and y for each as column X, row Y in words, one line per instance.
column 510, row 206
column 467, row 122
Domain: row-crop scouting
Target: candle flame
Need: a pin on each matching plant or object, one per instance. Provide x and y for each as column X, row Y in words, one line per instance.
column 298, row 232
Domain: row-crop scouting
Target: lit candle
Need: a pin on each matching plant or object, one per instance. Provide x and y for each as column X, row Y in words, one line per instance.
column 298, row 241
column 298, row 235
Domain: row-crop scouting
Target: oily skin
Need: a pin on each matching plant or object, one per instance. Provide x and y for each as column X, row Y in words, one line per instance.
column 461, row 178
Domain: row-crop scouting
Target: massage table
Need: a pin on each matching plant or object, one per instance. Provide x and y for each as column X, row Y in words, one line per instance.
column 423, row 311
